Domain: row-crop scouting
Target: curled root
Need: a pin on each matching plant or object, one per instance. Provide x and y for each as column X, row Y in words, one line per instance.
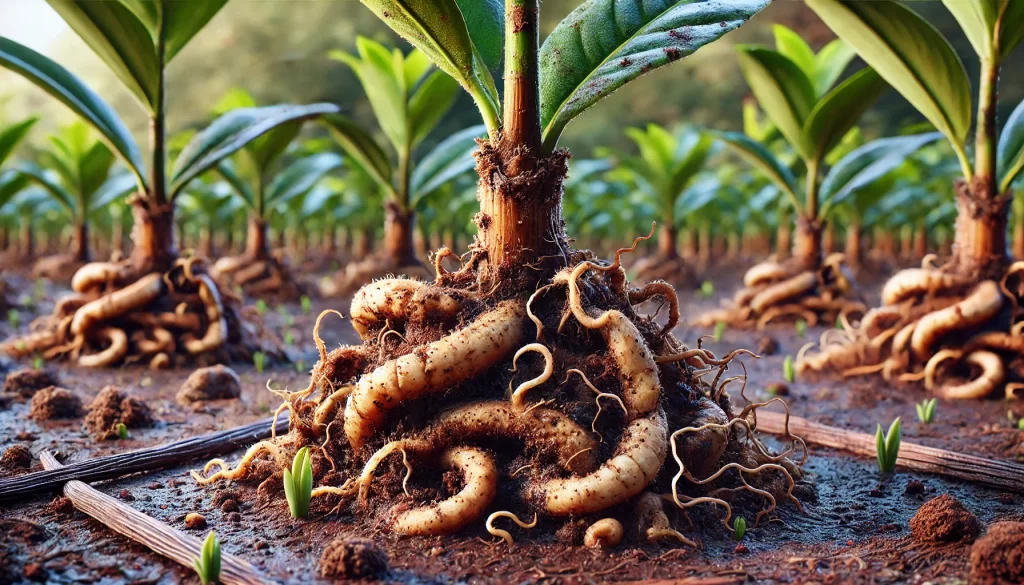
column 116, row 350
column 658, row 288
column 635, row 463
column 94, row 276
column 504, row 534
column 432, row 368
column 549, row 368
column 480, row 478
column 605, row 533
column 764, row 273
column 134, row 296
column 916, row 281
column 399, row 300
column 216, row 327
column 653, row 523
column 980, row 306
column 225, row 472
column 992, row 374
column 784, row 290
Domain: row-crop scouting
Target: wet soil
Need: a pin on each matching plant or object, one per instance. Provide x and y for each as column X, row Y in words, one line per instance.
column 856, row 529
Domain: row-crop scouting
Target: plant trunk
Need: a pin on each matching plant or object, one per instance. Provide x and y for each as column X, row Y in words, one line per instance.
column 153, row 236
column 807, row 244
column 399, row 245
column 979, row 246
column 921, row 240
column 703, row 247
column 689, row 244
column 256, row 247
column 783, row 240
column 667, row 242
column 363, row 243
column 828, row 240
column 853, row 245
column 27, row 240
column 80, row 242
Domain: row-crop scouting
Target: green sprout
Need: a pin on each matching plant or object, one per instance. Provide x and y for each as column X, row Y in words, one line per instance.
column 300, row 366
column 707, row 289
column 307, row 305
column 888, row 446
column 926, row 410
column 1020, row 424
column 122, row 431
column 298, row 484
column 207, row 564
column 289, row 338
column 788, row 371
column 801, row 328
column 37, row 362
column 719, row 330
column 259, row 359
column 739, row 527
column 13, row 318
column 839, row 323
column 261, row 307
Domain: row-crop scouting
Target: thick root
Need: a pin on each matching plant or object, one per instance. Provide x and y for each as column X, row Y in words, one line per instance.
column 397, row 300
column 265, row 278
column 605, row 533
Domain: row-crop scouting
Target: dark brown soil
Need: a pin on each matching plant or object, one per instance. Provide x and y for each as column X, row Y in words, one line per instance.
column 997, row 558
column 212, row 383
column 53, row 402
column 856, row 529
column 111, row 408
column 944, row 519
column 352, row 558
column 28, row 381
column 15, row 457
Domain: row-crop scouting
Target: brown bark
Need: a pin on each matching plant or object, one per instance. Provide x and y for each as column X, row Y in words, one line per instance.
column 398, row 242
column 783, row 240
column 853, row 245
column 363, row 243
column 153, row 236
column 256, row 247
column 828, row 239
column 807, row 244
column 27, row 245
column 80, row 242
column 979, row 246
column 689, row 244
column 667, row 238
column 920, row 241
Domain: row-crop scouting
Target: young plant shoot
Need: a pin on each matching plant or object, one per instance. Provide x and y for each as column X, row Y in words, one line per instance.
column 888, row 446
column 399, row 402
column 207, row 564
column 955, row 326
column 926, row 410
column 298, row 484
column 133, row 309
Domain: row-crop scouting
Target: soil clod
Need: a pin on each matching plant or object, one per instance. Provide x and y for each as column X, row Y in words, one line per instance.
column 997, row 558
column 944, row 519
column 352, row 558
column 28, row 381
column 213, row 383
column 16, row 457
column 53, row 402
column 112, row 407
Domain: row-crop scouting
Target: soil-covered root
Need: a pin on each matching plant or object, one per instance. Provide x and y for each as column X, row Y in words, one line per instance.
column 464, row 406
column 997, row 558
column 789, row 291
column 258, row 277
column 963, row 339
column 212, row 383
column 605, row 533
column 117, row 315
column 111, row 408
column 944, row 519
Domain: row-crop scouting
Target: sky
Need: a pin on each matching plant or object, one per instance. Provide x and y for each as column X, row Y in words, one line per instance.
column 30, row 22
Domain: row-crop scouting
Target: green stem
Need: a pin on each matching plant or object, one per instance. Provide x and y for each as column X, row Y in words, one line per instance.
column 811, row 202
column 522, row 93
column 158, row 130
column 985, row 134
column 404, row 175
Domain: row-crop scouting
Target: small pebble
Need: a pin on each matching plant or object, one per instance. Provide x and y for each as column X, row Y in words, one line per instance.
column 195, row 520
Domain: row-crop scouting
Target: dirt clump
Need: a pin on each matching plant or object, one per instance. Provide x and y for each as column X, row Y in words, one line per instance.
column 28, row 381
column 944, row 519
column 213, row 383
column 352, row 558
column 998, row 557
column 15, row 457
column 53, row 402
column 112, row 407
column 194, row 520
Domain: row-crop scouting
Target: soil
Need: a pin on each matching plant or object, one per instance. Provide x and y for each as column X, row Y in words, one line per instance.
column 213, row 383
column 856, row 525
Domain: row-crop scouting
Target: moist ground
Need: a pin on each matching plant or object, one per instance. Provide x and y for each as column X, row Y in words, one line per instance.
column 857, row 530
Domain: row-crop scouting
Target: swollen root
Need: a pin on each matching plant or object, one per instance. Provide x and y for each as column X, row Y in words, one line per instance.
column 963, row 341
column 775, row 292
column 268, row 277
column 468, row 404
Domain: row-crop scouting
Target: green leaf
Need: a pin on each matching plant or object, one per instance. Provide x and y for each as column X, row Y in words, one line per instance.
column 233, row 131
column 438, row 28
column 485, row 21
column 795, row 49
column 603, row 44
column 183, row 19
column 121, row 40
column 830, row 63
column 759, row 156
column 840, row 109
column 12, row 135
column 226, row 169
column 300, row 176
column 53, row 188
column 1011, row 33
column 910, row 54
column 449, row 159
column 69, row 90
column 977, row 18
column 432, row 100
column 1010, row 152
column 384, row 85
column 892, row 443
column 113, row 189
column 867, row 164
column 94, row 168
column 11, row 183
column 362, row 148
column 879, row 452
column 783, row 91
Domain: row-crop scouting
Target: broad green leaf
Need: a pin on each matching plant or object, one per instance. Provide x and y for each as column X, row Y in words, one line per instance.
column 300, row 176
column 485, row 20
column 94, row 167
column 11, row 183
column 121, row 40
column 910, row 54
column 449, row 159
column 795, row 49
column 977, row 18
column 115, row 188
column 603, row 44
column 830, row 63
column 438, row 28
column 868, row 163
column 233, row 131
column 840, row 109
column 53, row 188
column 1011, row 30
column 183, row 19
column 270, row 146
column 759, row 156
column 226, row 169
column 415, row 66
column 782, row 90
column 384, row 86
column 12, row 135
column 361, row 148
column 698, row 150
column 61, row 84
column 234, row 99
column 1011, row 148
column 431, row 101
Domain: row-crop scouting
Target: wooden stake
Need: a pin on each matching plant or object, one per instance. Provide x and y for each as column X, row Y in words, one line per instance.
column 140, row 461
column 1004, row 475
column 149, row 532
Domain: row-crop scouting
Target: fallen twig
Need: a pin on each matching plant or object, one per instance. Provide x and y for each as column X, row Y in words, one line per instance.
column 1005, row 475
column 142, row 460
column 151, row 533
